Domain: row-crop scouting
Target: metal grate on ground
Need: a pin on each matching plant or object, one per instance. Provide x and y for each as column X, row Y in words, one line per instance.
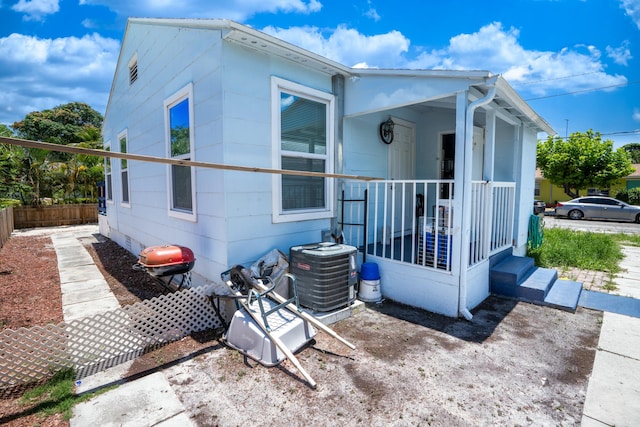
column 93, row 344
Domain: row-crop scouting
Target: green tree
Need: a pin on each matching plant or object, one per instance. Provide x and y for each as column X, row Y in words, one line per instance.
column 56, row 174
column 5, row 131
column 64, row 124
column 634, row 151
column 581, row 161
column 11, row 160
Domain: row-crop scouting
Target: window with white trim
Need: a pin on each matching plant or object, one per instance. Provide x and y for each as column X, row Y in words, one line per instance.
column 123, row 140
column 108, row 181
column 180, row 145
column 302, row 141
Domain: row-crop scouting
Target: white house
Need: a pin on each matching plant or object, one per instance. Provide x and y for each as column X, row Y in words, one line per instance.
column 453, row 185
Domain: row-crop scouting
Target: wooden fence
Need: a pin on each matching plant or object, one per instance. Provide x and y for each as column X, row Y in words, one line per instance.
column 6, row 225
column 51, row 216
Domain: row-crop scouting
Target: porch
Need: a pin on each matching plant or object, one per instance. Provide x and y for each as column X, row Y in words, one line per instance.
column 414, row 230
column 412, row 221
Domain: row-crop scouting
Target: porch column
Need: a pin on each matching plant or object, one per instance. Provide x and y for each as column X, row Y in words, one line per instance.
column 489, row 146
column 467, row 195
column 458, row 182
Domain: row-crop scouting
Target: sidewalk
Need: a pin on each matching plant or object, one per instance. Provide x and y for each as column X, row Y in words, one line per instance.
column 613, row 394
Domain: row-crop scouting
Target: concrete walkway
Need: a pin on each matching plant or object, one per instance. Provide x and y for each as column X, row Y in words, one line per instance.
column 148, row 401
column 613, row 394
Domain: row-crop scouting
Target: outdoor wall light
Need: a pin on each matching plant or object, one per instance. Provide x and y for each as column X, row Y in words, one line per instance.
column 386, row 131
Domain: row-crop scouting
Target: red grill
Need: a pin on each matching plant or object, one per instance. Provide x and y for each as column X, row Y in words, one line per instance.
column 167, row 260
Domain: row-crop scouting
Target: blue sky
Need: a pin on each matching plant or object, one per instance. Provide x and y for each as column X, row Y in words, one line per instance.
column 577, row 62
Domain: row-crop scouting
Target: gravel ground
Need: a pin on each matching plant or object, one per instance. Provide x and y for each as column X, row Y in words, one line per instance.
column 513, row 364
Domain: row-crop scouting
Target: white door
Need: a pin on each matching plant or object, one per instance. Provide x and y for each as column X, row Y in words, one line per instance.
column 402, row 167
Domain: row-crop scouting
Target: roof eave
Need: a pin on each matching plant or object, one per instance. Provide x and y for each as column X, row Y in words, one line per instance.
column 505, row 91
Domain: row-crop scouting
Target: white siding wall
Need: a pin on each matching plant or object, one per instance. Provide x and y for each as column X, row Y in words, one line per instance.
column 505, row 157
column 247, row 136
column 232, row 113
column 526, row 184
column 168, row 59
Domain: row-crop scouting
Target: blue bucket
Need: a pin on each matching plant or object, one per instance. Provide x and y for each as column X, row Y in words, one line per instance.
column 369, row 271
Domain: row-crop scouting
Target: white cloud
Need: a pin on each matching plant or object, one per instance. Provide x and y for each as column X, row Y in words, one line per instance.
column 36, row 10
column 237, row 10
column 632, row 9
column 620, row 55
column 498, row 50
column 636, row 114
column 348, row 46
column 491, row 48
column 372, row 13
column 37, row 74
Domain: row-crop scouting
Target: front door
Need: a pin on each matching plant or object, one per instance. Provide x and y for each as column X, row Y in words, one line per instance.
column 402, row 167
column 447, row 161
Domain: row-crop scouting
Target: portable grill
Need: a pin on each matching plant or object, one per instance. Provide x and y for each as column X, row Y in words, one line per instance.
column 166, row 261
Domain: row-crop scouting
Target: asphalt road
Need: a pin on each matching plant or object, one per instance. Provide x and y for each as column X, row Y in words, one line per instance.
column 551, row 221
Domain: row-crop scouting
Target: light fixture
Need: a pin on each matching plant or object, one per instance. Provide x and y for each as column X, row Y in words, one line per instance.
column 386, row 131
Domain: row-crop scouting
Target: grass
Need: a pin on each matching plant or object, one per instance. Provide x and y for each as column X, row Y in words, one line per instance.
column 584, row 250
column 57, row 396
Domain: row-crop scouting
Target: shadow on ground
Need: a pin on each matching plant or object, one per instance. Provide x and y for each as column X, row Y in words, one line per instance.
column 486, row 318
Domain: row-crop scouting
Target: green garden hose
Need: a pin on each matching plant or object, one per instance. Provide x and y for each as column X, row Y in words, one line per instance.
column 536, row 232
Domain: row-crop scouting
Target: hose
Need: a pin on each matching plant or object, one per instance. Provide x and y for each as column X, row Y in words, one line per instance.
column 536, row 232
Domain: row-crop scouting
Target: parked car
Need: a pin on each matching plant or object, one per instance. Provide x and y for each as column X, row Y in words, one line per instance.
column 539, row 207
column 598, row 207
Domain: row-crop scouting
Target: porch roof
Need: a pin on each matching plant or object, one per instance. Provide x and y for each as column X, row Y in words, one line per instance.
column 422, row 88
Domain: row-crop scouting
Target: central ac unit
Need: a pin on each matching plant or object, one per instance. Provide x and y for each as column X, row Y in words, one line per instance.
column 326, row 275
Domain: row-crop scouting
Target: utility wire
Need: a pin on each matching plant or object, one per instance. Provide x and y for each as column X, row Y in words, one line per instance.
column 584, row 90
column 556, row 78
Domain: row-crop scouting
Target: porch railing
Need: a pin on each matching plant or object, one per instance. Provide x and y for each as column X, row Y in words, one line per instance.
column 412, row 221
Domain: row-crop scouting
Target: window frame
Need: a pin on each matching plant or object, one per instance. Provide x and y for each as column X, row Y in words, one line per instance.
column 279, row 215
column 124, row 203
column 185, row 92
column 108, row 175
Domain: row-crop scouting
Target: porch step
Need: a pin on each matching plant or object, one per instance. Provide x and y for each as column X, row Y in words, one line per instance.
column 518, row 277
column 564, row 294
column 511, row 271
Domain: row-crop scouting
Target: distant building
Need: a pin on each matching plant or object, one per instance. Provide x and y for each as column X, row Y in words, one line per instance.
column 552, row 193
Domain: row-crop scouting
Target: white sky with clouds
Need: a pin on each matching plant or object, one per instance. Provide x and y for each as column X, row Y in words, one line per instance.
column 58, row 51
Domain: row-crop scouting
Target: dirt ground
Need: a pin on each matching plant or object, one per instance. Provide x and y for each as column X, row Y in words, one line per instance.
column 512, row 364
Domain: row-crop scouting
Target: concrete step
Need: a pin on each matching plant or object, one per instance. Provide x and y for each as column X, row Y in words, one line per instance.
column 534, row 287
column 564, row 294
column 511, row 271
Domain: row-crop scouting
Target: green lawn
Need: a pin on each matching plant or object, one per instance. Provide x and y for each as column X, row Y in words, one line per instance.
column 584, row 250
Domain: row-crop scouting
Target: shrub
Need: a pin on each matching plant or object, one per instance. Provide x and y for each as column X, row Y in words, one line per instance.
column 9, row 202
column 631, row 196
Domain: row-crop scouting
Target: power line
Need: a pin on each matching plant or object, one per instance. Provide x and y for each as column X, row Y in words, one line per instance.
column 625, row 132
column 556, row 78
column 584, row 90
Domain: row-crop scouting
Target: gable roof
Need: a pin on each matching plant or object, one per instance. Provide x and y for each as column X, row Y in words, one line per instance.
column 254, row 39
column 507, row 100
